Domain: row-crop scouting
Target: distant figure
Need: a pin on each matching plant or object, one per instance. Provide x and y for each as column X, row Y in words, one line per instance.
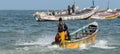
column 53, row 12
column 73, row 8
column 69, row 10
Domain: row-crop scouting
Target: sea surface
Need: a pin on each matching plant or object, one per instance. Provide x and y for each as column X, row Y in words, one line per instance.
column 20, row 33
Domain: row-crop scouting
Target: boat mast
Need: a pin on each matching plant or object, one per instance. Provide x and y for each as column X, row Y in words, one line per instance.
column 108, row 5
column 93, row 3
column 73, row 7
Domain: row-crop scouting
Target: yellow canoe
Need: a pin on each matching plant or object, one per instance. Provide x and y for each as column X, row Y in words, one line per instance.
column 85, row 35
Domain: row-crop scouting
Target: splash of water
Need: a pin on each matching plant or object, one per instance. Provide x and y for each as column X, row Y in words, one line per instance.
column 46, row 41
column 42, row 41
column 83, row 46
column 53, row 46
column 24, row 48
column 102, row 44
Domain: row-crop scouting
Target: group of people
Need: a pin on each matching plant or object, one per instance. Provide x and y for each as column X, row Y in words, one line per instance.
column 63, row 33
column 73, row 9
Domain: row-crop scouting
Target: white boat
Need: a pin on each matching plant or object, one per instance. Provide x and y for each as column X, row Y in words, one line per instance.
column 105, row 14
column 118, row 12
column 65, row 15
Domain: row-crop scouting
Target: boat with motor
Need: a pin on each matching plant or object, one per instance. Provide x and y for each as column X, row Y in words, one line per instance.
column 85, row 35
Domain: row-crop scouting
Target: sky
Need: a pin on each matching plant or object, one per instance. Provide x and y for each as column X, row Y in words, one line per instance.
column 54, row 4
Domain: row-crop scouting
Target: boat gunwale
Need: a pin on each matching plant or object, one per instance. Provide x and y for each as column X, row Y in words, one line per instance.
column 78, row 40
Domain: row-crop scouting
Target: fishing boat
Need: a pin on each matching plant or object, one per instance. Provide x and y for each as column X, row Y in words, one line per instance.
column 65, row 15
column 85, row 35
column 118, row 12
column 71, row 13
column 105, row 14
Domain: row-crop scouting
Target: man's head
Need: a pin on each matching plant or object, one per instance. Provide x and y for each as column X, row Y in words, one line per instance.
column 60, row 19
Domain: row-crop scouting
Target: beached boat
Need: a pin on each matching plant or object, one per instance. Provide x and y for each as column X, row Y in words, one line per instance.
column 83, row 36
column 65, row 14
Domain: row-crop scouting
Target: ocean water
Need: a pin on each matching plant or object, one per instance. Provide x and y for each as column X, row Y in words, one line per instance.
column 20, row 33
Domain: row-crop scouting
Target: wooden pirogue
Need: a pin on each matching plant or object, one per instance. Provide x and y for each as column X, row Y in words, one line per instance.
column 85, row 35
column 78, row 15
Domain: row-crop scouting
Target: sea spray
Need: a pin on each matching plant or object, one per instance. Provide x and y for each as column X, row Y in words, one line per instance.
column 83, row 46
column 42, row 41
column 41, row 44
column 102, row 44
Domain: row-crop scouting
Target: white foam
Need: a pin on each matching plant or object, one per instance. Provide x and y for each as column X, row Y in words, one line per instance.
column 83, row 46
column 24, row 48
column 53, row 46
column 47, row 40
column 102, row 44
column 43, row 41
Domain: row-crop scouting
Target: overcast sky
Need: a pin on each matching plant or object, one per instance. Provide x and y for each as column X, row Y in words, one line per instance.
column 53, row 4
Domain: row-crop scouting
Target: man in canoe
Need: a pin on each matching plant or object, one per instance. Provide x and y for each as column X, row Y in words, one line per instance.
column 63, row 33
